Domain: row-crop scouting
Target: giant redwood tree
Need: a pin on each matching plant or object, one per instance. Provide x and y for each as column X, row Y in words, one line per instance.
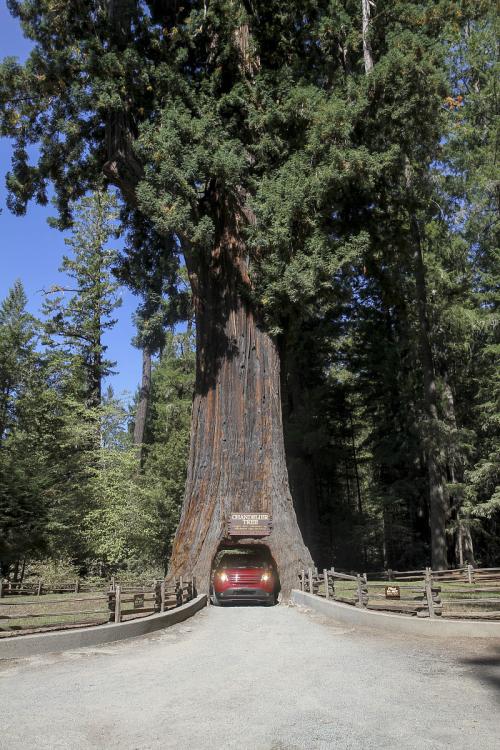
column 243, row 130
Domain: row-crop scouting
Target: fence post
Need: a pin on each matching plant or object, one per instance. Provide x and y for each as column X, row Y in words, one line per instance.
column 359, row 581
column 118, row 603
column 325, row 577
column 310, row 574
column 162, row 596
column 194, row 586
column 113, row 585
column 470, row 573
column 428, row 592
column 332, row 572
column 77, row 586
column 1, row 588
column 40, row 586
column 389, row 574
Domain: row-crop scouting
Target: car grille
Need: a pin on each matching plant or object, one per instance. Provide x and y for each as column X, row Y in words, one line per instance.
column 244, row 578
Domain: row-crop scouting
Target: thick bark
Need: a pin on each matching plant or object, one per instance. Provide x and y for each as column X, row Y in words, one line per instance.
column 438, row 501
column 144, row 397
column 237, row 457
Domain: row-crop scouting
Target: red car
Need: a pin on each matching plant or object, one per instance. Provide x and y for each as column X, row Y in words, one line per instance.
column 240, row 578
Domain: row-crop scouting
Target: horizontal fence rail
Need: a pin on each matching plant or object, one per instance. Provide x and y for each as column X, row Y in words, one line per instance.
column 462, row 593
column 63, row 608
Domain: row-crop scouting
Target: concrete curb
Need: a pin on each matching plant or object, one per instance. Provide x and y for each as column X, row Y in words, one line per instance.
column 389, row 623
column 43, row 643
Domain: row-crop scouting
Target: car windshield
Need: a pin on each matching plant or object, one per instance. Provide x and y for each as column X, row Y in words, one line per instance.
column 242, row 561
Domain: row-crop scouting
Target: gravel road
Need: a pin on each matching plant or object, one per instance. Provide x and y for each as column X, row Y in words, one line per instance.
column 254, row 678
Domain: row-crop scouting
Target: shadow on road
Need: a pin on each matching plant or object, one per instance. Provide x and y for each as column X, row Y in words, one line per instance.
column 227, row 605
column 486, row 667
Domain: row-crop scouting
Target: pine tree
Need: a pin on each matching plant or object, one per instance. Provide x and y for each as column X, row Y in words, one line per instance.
column 22, row 512
column 78, row 323
column 150, row 266
column 169, row 429
column 17, row 343
column 472, row 189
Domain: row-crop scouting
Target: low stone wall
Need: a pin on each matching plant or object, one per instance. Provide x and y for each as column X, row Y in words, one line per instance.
column 18, row 647
column 347, row 614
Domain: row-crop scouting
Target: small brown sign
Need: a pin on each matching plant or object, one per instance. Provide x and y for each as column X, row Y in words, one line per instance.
column 138, row 601
column 250, row 524
column 392, row 592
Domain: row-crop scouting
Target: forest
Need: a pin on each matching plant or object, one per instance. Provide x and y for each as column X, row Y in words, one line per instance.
column 303, row 197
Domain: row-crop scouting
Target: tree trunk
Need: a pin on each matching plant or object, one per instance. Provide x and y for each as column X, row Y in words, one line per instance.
column 464, row 547
column 237, row 457
column 144, row 397
column 367, row 47
column 438, row 501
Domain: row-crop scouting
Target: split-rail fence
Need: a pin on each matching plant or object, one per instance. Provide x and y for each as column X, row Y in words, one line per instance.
column 39, row 606
column 461, row 593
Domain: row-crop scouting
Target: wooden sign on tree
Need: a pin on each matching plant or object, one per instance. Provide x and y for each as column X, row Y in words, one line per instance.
column 250, row 524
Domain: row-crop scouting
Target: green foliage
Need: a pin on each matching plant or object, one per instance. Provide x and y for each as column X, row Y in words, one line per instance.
column 76, row 323
column 165, row 466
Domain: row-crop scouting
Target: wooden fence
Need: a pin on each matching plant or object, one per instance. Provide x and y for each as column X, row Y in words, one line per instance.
column 468, row 593
column 122, row 601
column 77, row 586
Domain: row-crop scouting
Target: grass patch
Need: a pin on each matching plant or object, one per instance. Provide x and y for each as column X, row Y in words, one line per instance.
column 458, row 597
column 48, row 606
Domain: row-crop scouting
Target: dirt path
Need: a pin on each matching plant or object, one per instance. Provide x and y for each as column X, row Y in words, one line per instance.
column 252, row 678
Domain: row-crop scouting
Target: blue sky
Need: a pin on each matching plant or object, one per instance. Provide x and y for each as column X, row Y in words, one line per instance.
column 31, row 251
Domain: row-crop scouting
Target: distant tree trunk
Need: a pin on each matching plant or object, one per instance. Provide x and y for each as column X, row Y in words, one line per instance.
column 438, row 501
column 355, row 463
column 144, row 399
column 237, row 457
column 95, row 378
column 23, row 568
column 367, row 47
column 464, row 547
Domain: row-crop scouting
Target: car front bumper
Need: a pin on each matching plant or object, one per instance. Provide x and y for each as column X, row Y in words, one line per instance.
column 239, row 594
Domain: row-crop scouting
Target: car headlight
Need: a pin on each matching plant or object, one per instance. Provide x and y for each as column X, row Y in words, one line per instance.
column 223, row 576
column 265, row 577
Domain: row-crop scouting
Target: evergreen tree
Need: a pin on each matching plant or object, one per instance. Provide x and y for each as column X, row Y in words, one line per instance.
column 22, row 511
column 78, row 323
column 17, row 343
column 169, row 430
column 472, row 190
column 150, row 266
